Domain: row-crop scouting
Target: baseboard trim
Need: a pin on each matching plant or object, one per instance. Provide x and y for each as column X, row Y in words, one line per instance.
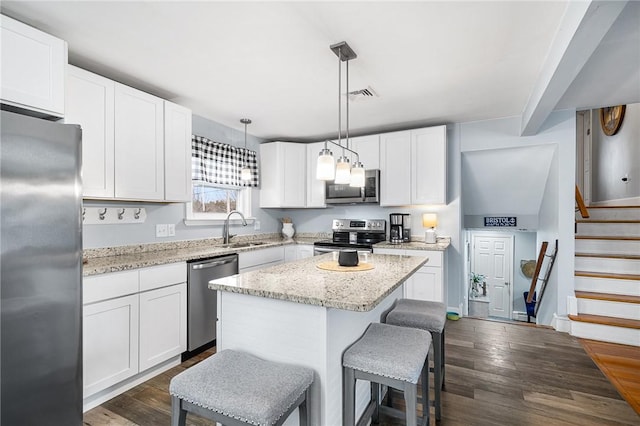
column 561, row 323
column 631, row 201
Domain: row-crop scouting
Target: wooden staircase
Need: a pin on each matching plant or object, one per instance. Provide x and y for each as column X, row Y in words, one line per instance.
column 607, row 275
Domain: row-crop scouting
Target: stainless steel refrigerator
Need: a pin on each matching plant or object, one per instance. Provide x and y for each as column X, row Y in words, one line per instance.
column 41, row 272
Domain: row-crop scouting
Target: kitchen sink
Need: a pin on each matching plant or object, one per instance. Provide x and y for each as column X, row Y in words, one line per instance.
column 243, row 245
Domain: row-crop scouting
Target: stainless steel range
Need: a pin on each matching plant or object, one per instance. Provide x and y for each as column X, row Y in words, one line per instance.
column 359, row 234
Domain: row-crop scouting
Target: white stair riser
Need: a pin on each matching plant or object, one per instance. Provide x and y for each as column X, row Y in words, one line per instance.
column 609, row 229
column 612, row 214
column 608, row 246
column 609, row 309
column 603, row 264
column 608, row 285
column 606, row 333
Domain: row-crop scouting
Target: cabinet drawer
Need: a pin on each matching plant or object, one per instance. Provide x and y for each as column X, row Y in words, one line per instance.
column 260, row 257
column 162, row 276
column 435, row 257
column 108, row 286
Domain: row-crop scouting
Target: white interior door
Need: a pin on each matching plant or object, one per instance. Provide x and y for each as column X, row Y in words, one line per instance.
column 492, row 257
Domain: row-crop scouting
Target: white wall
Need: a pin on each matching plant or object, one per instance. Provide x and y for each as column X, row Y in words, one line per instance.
column 157, row 213
column 616, row 156
column 525, row 249
column 556, row 218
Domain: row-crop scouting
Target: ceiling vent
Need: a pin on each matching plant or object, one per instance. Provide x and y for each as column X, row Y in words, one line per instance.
column 362, row 94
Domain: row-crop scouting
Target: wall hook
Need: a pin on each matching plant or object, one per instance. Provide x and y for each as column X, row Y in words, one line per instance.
column 136, row 214
column 102, row 213
column 84, row 213
column 121, row 214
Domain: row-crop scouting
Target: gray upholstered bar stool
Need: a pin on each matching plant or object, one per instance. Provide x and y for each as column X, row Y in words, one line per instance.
column 235, row 388
column 392, row 356
column 432, row 317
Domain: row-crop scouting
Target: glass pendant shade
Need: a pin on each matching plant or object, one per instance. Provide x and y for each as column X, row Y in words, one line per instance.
column 357, row 175
column 245, row 173
column 326, row 169
column 343, row 171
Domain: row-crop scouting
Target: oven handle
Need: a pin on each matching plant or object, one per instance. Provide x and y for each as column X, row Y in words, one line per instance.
column 324, row 250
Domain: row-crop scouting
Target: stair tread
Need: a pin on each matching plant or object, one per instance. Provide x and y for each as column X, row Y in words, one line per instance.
column 610, row 255
column 607, row 275
column 606, row 237
column 603, row 320
column 607, row 296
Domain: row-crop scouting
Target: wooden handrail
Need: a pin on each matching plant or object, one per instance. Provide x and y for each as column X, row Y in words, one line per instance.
column 536, row 274
column 581, row 206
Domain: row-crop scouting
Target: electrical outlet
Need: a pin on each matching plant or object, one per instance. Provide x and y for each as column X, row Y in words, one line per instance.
column 161, row 231
column 171, row 229
column 256, row 225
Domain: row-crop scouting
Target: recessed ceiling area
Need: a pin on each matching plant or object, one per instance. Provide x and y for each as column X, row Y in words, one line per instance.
column 428, row 62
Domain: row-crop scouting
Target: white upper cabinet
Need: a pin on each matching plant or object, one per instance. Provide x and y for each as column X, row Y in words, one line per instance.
column 368, row 148
column 177, row 152
column 429, row 165
column 395, row 172
column 139, row 145
column 413, row 167
column 89, row 103
column 283, row 168
column 315, row 187
column 33, row 69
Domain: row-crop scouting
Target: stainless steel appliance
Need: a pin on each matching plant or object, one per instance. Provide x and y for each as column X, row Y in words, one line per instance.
column 359, row 234
column 41, row 240
column 345, row 194
column 399, row 228
column 202, row 302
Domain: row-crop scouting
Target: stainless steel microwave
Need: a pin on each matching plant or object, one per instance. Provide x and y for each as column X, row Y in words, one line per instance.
column 345, row 194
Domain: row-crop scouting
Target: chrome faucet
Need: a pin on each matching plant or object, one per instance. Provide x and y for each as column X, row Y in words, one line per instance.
column 225, row 230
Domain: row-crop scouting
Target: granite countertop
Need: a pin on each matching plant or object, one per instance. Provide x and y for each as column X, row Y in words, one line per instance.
column 441, row 245
column 302, row 282
column 123, row 258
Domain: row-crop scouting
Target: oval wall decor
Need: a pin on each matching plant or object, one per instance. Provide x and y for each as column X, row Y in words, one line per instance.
column 611, row 119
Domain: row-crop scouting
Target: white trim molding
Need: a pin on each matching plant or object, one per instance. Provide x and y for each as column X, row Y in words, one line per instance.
column 561, row 323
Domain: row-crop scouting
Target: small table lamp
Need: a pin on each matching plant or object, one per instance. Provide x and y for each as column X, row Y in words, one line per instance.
column 430, row 221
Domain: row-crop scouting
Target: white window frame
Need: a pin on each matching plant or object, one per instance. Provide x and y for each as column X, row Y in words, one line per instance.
column 244, row 207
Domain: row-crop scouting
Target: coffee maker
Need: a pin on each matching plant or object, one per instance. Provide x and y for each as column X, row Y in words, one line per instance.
column 399, row 228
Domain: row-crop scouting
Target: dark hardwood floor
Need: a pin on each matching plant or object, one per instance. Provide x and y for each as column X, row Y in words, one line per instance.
column 496, row 374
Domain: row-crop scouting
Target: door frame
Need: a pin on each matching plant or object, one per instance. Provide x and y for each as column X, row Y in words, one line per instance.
column 492, row 234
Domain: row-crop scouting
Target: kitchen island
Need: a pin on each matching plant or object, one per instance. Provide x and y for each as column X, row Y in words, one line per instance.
column 300, row 314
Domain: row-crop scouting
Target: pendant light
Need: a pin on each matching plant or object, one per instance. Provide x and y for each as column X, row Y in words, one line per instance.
column 342, row 172
column 245, row 172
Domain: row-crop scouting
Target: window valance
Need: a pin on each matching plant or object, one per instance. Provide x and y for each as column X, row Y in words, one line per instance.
column 220, row 163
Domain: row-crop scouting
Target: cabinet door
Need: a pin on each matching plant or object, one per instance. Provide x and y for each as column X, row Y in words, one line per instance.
column 139, row 146
column 163, row 324
column 177, row 152
column 315, row 187
column 109, row 343
column 89, row 103
column 395, row 170
column 33, row 68
column 429, row 165
column 425, row 284
column 304, row 251
column 368, row 148
column 294, row 191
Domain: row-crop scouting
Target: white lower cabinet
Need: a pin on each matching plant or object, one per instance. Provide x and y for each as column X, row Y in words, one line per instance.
column 109, row 343
column 427, row 283
column 132, row 321
column 163, row 319
column 259, row 259
column 297, row 252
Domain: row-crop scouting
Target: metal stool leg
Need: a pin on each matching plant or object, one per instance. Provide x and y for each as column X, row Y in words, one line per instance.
column 303, row 412
column 437, row 370
column 178, row 415
column 425, row 391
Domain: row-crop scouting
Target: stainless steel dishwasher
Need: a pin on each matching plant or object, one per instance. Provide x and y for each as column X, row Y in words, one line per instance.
column 202, row 302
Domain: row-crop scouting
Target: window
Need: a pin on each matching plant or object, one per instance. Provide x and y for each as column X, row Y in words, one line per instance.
column 214, row 202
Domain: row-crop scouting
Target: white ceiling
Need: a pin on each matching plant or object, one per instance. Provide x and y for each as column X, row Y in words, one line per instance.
column 429, row 62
